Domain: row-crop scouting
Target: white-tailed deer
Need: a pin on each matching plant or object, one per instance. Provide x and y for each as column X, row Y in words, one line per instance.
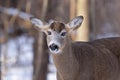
column 96, row 60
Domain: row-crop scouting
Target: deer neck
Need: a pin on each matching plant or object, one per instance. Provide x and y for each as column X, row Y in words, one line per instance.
column 64, row 61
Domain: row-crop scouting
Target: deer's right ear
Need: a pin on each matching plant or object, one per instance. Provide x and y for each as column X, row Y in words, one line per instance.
column 37, row 22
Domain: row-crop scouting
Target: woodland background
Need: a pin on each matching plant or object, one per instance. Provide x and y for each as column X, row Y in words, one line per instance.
column 23, row 49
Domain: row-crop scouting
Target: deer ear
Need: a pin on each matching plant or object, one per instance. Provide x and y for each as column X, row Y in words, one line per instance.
column 37, row 22
column 75, row 23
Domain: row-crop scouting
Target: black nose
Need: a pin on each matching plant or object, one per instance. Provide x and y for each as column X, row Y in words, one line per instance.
column 53, row 47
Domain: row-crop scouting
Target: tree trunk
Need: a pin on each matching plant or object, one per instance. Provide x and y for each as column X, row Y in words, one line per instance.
column 41, row 56
column 83, row 31
column 105, row 19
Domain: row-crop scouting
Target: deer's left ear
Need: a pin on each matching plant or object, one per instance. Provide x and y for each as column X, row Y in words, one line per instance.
column 75, row 23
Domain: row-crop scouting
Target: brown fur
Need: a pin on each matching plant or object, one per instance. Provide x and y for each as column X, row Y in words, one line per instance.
column 57, row 26
column 96, row 60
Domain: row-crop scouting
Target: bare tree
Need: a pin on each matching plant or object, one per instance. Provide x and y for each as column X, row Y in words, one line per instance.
column 82, row 9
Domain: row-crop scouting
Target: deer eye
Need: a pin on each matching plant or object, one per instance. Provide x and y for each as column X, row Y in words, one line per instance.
column 49, row 33
column 63, row 33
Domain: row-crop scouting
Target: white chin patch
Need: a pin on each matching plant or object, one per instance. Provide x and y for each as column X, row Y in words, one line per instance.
column 56, row 51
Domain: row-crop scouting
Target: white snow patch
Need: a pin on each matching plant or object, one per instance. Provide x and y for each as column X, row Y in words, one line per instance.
column 24, row 68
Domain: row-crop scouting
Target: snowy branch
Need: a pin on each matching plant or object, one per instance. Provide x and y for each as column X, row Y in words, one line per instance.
column 15, row 12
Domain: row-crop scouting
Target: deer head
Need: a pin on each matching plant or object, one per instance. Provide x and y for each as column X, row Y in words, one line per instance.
column 57, row 32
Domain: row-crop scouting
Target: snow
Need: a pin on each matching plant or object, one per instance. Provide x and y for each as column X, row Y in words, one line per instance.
column 19, row 59
column 19, row 73
column 107, row 35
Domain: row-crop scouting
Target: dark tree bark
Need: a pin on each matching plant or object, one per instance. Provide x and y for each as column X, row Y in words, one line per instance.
column 40, row 57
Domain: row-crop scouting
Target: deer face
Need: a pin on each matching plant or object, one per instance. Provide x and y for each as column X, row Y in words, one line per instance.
column 56, row 35
column 57, row 32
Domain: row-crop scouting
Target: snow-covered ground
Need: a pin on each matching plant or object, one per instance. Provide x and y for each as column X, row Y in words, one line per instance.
column 19, row 59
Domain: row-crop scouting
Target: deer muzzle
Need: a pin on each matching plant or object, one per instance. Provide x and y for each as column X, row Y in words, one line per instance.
column 53, row 47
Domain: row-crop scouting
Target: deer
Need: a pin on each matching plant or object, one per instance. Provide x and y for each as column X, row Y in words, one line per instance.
column 78, row 60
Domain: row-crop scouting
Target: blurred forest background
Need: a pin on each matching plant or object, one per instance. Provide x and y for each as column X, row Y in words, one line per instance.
column 23, row 50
